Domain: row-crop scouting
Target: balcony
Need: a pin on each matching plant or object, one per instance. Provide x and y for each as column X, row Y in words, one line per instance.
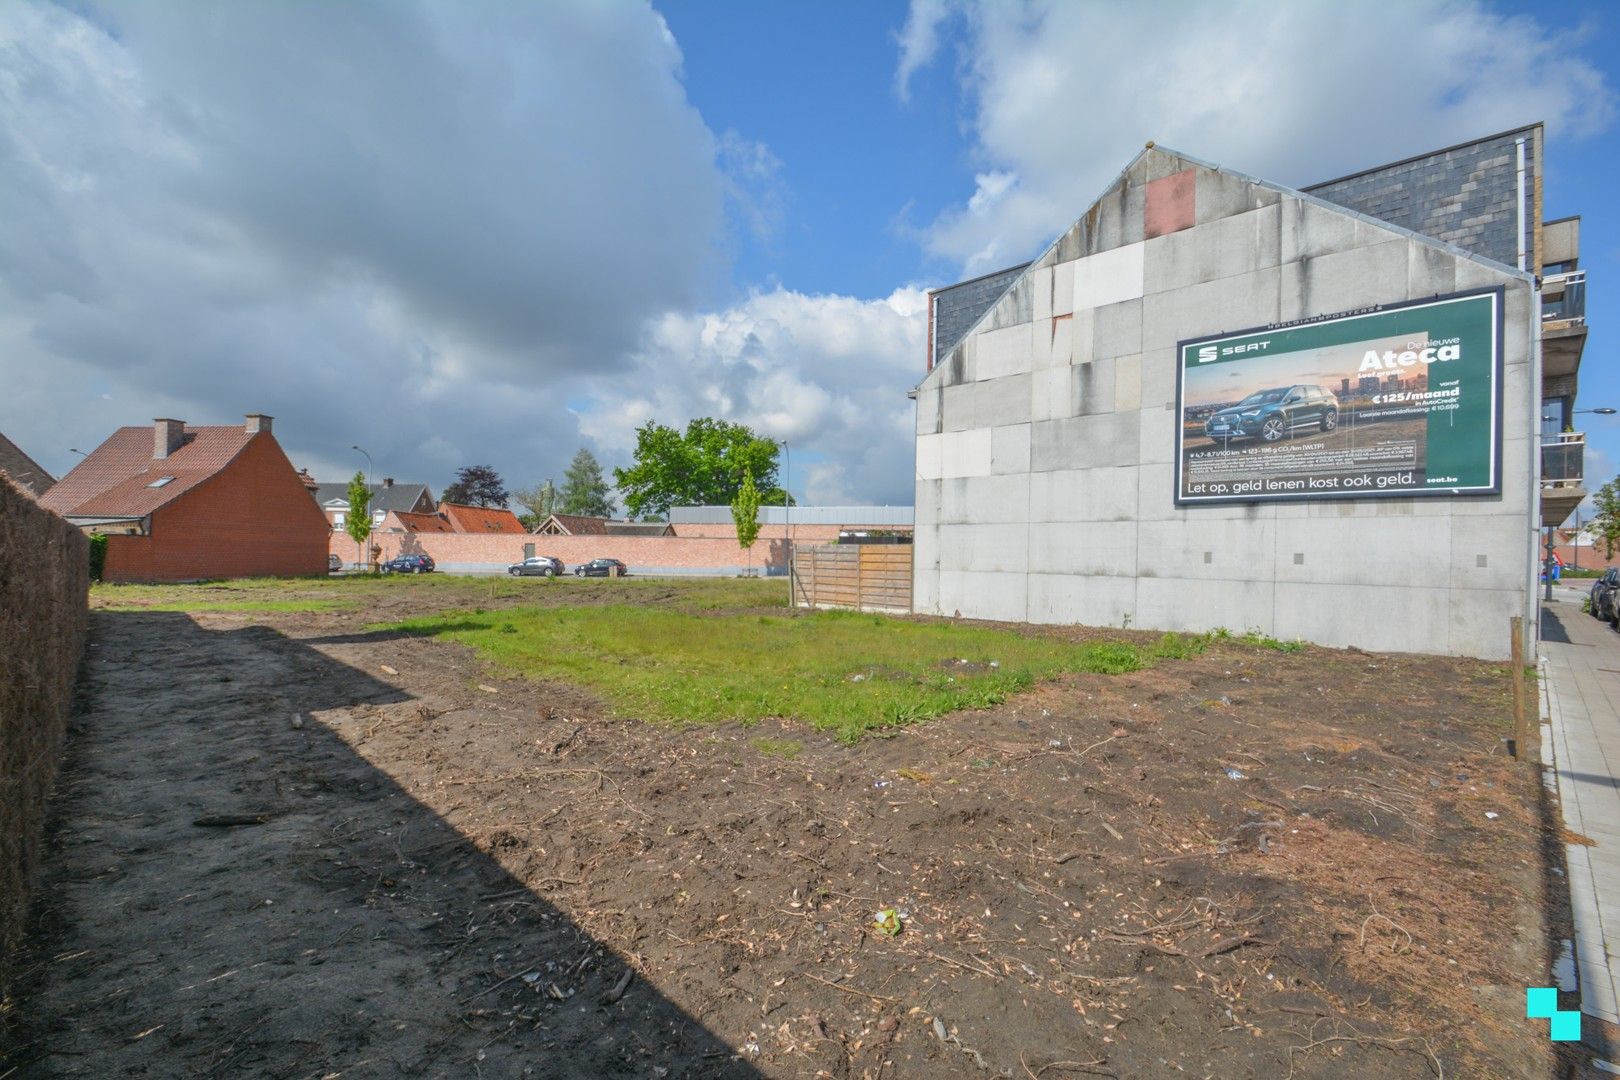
column 1563, row 322
column 1563, row 468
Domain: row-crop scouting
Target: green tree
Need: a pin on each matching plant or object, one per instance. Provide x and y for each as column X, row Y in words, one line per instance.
column 745, row 513
column 358, row 521
column 541, row 501
column 702, row 467
column 477, row 485
column 585, row 489
column 1606, row 522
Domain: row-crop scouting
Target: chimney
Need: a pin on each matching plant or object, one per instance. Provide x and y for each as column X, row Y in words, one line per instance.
column 167, row 435
column 308, row 481
column 257, row 422
column 388, row 481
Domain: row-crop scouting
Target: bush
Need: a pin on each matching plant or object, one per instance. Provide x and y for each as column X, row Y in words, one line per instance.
column 98, row 555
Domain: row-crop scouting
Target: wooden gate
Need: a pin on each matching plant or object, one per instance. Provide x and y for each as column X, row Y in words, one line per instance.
column 866, row 577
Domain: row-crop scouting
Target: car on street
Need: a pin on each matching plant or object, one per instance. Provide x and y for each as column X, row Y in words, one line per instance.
column 408, row 564
column 536, row 566
column 1275, row 414
column 1603, row 595
column 602, row 568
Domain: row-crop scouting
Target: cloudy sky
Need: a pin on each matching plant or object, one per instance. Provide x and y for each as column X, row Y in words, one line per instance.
column 458, row 233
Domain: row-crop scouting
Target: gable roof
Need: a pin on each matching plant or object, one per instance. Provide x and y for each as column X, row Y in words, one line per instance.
column 23, row 470
column 1072, row 242
column 115, row 480
column 420, row 522
column 384, row 497
column 480, row 519
column 573, row 525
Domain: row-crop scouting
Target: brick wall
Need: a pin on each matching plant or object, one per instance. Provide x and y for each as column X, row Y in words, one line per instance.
column 466, row 552
column 254, row 518
column 803, row 534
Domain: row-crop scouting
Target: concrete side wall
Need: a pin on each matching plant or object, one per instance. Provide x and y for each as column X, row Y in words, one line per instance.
column 1045, row 447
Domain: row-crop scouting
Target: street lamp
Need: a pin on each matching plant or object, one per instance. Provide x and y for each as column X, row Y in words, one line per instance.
column 787, row 513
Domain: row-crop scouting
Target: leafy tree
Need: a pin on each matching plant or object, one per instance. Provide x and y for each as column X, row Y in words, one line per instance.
column 541, row 501
column 585, row 490
column 704, row 466
column 745, row 512
column 477, row 485
column 358, row 522
column 1606, row 522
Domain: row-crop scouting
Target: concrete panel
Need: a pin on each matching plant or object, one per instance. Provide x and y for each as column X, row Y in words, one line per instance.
column 1014, row 308
column 1306, row 231
column 1083, row 495
column 1501, row 542
column 1069, row 600
column 1003, row 352
column 930, row 460
column 1476, row 275
column 1063, row 288
column 1092, row 388
column 965, row 453
column 982, row 500
column 983, row 595
column 1429, row 270
column 1358, row 552
column 1517, row 306
column 1223, row 248
column 1109, row 277
column 1051, row 394
column 1342, row 282
column 1118, row 330
column 928, row 498
column 1001, row 401
column 1084, row 442
column 1000, row 547
column 1040, row 292
column 1082, row 329
column 1232, row 303
column 1155, row 493
column 1158, row 378
column 1222, row 195
column 1188, row 605
column 930, row 414
column 1205, row 549
column 956, row 407
column 1119, row 217
column 1478, row 623
column 1055, row 348
column 1094, row 549
column 925, row 587
column 1157, row 438
column 1387, row 618
column 1127, row 383
column 1009, row 449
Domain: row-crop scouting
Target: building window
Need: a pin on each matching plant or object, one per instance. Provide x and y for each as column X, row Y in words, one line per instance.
column 337, row 521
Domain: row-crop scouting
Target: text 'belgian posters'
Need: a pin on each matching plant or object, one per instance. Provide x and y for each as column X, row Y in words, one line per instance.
column 1398, row 401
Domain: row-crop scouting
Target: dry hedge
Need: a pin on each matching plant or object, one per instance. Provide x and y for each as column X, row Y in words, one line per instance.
column 44, row 598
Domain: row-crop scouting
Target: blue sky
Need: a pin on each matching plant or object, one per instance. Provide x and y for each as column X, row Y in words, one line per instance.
column 494, row 233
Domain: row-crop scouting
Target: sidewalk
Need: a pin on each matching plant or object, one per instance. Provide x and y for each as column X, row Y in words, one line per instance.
column 1580, row 664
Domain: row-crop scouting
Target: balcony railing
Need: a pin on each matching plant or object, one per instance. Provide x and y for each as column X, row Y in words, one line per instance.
column 1563, row 296
column 1563, row 459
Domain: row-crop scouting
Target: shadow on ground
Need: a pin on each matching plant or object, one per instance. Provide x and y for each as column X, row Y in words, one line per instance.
column 348, row 929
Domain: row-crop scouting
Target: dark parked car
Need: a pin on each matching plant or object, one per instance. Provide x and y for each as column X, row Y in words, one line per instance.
column 1270, row 415
column 536, row 566
column 408, row 564
column 1605, row 591
column 602, row 568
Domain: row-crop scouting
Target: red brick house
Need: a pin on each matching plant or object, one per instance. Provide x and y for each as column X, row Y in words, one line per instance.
column 182, row 503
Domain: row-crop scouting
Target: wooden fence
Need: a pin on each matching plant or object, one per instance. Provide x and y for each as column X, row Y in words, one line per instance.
column 866, row 577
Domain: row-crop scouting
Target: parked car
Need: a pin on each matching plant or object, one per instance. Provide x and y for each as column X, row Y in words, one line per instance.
column 537, row 566
column 333, row 564
column 1270, row 415
column 602, row 568
column 1603, row 595
column 408, row 564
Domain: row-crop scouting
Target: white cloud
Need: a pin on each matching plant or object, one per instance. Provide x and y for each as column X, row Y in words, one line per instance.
column 827, row 373
column 1065, row 93
column 919, row 41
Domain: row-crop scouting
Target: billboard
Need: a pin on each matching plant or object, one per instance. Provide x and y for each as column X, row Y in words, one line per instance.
column 1397, row 401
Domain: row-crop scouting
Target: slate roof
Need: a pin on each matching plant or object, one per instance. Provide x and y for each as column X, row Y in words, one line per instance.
column 481, row 519
column 23, row 470
column 115, row 480
column 393, row 497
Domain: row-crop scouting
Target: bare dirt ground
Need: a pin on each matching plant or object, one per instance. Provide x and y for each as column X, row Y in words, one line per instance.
column 1248, row 864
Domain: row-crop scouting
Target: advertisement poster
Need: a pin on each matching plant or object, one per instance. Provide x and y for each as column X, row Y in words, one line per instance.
column 1398, row 401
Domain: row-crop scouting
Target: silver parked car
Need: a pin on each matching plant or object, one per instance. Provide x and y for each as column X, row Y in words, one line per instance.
column 537, row 566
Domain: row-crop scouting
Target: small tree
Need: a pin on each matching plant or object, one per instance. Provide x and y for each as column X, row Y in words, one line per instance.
column 358, row 523
column 477, row 485
column 1605, row 524
column 541, row 501
column 745, row 512
column 585, row 490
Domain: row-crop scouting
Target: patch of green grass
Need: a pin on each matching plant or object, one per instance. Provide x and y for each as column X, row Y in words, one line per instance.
column 1255, row 638
column 236, row 605
column 787, row 749
column 845, row 672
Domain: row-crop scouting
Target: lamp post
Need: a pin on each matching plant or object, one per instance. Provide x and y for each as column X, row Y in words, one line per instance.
column 787, row 514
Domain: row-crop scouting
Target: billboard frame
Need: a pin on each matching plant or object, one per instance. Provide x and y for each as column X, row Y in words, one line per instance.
column 1498, row 293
